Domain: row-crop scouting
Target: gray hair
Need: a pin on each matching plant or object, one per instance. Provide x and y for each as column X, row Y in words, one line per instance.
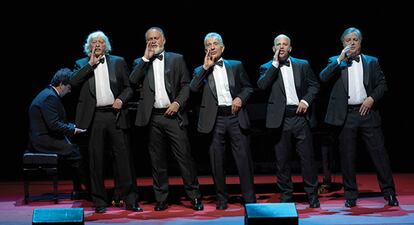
column 215, row 36
column 155, row 28
column 91, row 36
column 351, row 30
column 281, row 36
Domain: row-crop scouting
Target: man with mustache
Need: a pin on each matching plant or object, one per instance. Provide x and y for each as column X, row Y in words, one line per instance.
column 104, row 93
column 293, row 88
column 164, row 78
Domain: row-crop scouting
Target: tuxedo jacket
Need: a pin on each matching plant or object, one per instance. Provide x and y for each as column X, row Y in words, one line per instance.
column 84, row 77
column 374, row 83
column 48, row 125
column 306, row 85
column 239, row 84
column 176, row 78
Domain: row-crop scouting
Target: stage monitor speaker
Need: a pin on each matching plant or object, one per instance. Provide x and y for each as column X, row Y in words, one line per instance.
column 271, row 214
column 58, row 216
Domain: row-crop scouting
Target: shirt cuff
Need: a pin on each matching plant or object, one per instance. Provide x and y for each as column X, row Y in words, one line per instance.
column 305, row 102
column 145, row 59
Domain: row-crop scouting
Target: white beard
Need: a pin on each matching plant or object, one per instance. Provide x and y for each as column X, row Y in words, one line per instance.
column 158, row 50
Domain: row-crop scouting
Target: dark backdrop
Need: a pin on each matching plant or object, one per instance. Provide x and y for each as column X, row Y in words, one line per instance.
column 40, row 38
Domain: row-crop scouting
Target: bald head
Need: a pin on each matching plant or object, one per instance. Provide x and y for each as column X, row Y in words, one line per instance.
column 282, row 46
column 281, row 36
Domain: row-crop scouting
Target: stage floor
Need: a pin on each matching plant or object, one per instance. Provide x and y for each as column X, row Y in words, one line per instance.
column 371, row 208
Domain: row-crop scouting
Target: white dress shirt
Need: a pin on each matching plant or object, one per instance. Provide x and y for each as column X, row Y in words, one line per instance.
column 222, row 85
column 161, row 97
column 289, row 84
column 356, row 89
column 104, row 95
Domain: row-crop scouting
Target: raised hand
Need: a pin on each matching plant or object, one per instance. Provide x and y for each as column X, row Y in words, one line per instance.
column 345, row 53
column 94, row 59
column 209, row 60
column 276, row 55
column 149, row 50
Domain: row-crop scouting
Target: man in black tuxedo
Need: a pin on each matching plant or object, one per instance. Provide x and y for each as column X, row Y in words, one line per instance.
column 293, row 88
column 49, row 128
column 358, row 86
column 104, row 92
column 165, row 92
column 226, row 89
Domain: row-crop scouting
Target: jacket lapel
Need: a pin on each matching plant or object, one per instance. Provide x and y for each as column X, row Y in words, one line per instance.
column 280, row 81
column 344, row 75
column 296, row 76
column 92, row 84
column 151, row 77
column 111, row 73
column 212, row 83
column 365, row 70
column 167, row 74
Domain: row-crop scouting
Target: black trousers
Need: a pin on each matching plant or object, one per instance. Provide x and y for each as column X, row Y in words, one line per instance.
column 166, row 134
column 103, row 133
column 78, row 169
column 357, row 125
column 240, row 147
column 71, row 158
column 295, row 134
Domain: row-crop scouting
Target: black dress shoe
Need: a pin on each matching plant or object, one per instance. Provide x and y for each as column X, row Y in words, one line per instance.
column 134, row 208
column 392, row 200
column 75, row 195
column 314, row 203
column 197, row 204
column 221, row 205
column 161, row 206
column 324, row 189
column 100, row 209
column 350, row 203
column 78, row 195
column 284, row 198
column 117, row 203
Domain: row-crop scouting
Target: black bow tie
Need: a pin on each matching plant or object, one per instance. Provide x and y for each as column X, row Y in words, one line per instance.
column 219, row 63
column 159, row 56
column 284, row 63
column 355, row 58
column 102, row 60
